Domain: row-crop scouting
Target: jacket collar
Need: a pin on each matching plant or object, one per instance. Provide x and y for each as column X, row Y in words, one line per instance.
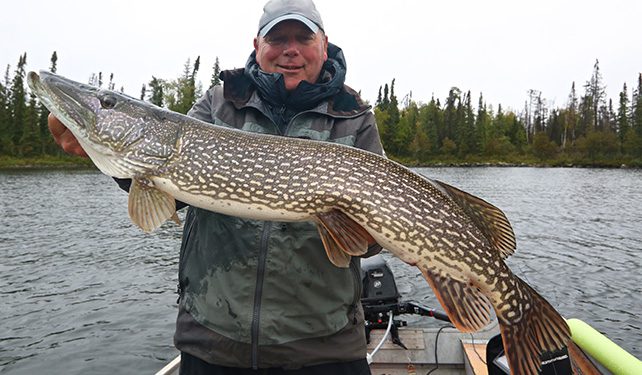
column 239, row 89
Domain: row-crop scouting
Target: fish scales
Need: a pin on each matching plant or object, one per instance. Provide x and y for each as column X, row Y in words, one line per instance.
column 458, row 242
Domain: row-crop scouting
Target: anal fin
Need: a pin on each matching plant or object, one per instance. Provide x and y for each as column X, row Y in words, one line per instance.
column 148, row 206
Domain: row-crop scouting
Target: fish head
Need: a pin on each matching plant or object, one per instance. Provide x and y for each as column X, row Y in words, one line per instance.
column 122, row 135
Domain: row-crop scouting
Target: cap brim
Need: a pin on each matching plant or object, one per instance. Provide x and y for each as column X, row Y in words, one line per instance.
column 311, row 25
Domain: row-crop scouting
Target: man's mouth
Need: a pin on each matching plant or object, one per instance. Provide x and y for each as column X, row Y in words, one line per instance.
column 290, row 68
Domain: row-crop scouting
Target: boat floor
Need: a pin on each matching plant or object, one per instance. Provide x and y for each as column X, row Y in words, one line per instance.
column 457, row 353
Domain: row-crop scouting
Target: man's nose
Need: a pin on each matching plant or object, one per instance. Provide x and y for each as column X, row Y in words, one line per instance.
column 291, row 49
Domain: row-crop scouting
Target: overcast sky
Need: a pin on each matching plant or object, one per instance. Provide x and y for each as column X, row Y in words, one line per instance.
column 499, row 48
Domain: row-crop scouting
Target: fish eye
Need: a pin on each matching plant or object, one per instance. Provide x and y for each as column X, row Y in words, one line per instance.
column 108, row 101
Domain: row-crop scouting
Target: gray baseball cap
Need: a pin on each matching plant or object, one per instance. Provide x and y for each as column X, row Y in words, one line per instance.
column 276, row 11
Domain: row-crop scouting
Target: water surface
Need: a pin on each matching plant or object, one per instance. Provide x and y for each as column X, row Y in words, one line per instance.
column 84, row 291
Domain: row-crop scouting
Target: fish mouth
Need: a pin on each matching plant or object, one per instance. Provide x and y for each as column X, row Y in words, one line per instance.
column 73, row 103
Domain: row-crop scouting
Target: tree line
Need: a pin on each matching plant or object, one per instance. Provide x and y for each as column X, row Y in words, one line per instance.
column 589, row 130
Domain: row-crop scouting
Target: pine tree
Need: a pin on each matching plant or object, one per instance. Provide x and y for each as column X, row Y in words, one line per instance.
column 216, row 80
column 47, row 144
column 181, row 94
column 54, row 62
column 633, row 138
column 18, row 104
column 483, row 125
column 30, row 144
column 5, row 118
column 143, row 92
column 450, row 116
column 596, row 91
column 570, row 118
column 623, row 114
column 636, row 108
column 156, row 95
column 112, row 85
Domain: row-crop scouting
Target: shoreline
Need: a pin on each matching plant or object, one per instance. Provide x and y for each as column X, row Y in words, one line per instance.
column 8, row 163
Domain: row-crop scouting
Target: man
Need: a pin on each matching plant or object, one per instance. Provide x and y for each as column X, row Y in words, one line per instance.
column 263, row 295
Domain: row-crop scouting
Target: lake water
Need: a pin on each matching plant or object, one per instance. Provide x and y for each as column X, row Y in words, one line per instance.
column 84, row 291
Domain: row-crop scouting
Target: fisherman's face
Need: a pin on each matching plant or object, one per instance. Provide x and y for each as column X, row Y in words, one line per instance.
column 292, row 49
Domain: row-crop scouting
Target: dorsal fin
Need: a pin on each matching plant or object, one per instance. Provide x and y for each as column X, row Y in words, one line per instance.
column 488, row 218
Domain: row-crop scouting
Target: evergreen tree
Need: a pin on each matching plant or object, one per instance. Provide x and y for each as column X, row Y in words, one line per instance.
column 483, row 126
column 385, row 102
column 570, row 119
column 181, row 94
column 18, row 104
column 555, row 126
column 47, row 144
column 450, row 123
column 216, row 80
column 112, row 85
column 143, row 92
column 623, row 114
column 596, row 91
column 636, row 108
column 54, row 62
column 633, row 138
column 405, row 130
column 5, row 117
column 156, row 95
column 30, row 144
column 465, row 135
column 389, row 105
column 431, row 120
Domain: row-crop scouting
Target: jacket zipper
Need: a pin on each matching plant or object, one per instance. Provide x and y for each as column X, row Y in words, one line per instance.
column 258, row 293
column 356, row 275
column 180, row 288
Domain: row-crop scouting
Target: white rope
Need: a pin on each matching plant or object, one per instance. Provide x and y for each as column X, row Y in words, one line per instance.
column 376, row 349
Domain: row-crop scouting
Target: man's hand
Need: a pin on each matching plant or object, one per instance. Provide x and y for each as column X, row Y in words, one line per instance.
column 64, row 137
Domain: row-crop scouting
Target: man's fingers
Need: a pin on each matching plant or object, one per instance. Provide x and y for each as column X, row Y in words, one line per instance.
column 55, row 127
column 64, row 137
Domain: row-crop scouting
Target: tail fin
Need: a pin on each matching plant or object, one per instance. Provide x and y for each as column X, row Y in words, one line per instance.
column 540, row 329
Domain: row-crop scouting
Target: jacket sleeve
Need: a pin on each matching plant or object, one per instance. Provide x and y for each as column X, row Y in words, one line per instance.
column 368, row 136
column 203, row 109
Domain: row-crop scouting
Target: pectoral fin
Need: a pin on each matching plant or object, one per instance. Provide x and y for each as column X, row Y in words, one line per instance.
column 337, row 256
column 342, row 237
column 150, row 207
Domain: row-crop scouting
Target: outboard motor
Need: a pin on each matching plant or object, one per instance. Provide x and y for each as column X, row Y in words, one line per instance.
column 379, row 287
column 381, row 299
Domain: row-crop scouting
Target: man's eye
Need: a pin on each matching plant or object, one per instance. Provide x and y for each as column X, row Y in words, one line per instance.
column 276, row 40
column 306, row 38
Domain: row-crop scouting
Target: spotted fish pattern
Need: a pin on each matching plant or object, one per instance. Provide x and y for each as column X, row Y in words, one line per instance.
column 459, row 242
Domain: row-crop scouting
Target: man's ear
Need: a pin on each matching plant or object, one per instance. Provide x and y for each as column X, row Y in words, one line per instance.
column 325, row 47
column 256, row 44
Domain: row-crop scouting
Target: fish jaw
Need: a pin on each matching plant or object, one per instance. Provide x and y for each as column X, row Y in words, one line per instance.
column 119, row 133
column 74, row 104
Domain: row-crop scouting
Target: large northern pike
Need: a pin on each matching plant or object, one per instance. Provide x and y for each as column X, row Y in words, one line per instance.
column 458, row 241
